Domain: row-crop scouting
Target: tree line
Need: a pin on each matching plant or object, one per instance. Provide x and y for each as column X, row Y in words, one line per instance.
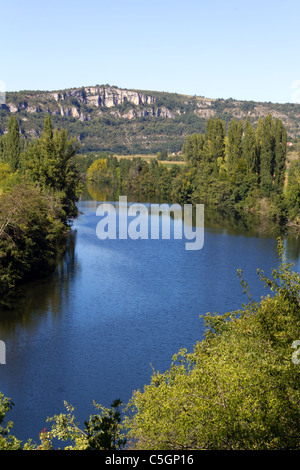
column 242, row 155
column 39, row 187
column 241, row 169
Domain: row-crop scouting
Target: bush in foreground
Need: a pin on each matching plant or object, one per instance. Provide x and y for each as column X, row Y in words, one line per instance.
column 238, row 389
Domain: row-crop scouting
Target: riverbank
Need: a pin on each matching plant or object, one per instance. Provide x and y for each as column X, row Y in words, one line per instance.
column 32, row 235
column 40, row 187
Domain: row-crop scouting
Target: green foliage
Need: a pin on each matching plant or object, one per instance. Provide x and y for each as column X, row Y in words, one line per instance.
column 234, row 146
column 49, row 162
column 249, row 145
column 37, row 199
column 237, row 170
column 242, row 170
column 8, row 179
column 193, row 149
column 103, row 431
column 134, row 176
column 238, row 389
column 7, row 440
column 10, row 147
column 293, row 190
column 280, row 141
column 267, row 157
column 84, row 161
column 30, row 231
column 163, row 155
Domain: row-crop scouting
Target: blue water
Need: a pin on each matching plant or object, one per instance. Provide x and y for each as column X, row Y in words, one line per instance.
column 116, row 309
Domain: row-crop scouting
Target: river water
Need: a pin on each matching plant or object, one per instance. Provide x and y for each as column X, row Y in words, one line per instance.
column 117, row 309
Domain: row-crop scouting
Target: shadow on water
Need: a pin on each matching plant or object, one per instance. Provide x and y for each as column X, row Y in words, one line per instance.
column 42, row 295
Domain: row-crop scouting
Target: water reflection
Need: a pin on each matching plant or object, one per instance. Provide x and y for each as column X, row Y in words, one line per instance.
column 234, row 223
column 292, row 245
column 44, row 295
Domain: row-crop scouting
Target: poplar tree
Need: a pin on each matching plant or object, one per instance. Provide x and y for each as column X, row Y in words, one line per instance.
column 193, row 149
column 214, row 146
column 293, row 189
column 280, row 139
column 249, row 148
column 258, row 137
column 10, row 151
column 235, row 135
column 267, row 157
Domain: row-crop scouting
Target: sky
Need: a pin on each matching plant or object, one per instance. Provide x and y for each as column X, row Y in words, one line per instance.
column 247, row 50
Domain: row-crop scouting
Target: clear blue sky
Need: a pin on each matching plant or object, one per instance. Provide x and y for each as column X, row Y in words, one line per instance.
column 218, row 49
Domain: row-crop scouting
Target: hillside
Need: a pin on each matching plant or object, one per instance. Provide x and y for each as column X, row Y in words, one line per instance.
column 111, row 119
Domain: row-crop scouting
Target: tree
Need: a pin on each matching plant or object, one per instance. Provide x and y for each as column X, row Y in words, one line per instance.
column 258, row 137
column 11, row 145
column 292, row 194
column 193, row 149
column 238, row 389
column 103, row 431
column 97, row 170
column 250, row 153
column 7, row 440
column 280, row 140
column 272, row 156
column 30, row 233
column 235, row 135
column 267, row 157
column 162, row 155
column 49, row 162
column 214, row 143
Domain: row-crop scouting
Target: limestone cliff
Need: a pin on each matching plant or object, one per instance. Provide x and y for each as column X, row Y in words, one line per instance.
column 95, row 97
column 108, row 118
column 104, row 96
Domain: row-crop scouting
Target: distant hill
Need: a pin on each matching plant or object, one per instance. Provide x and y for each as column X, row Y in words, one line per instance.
column 110, row 119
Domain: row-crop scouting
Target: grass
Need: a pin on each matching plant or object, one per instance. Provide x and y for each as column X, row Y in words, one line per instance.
column 131, row 157
column 150, row 157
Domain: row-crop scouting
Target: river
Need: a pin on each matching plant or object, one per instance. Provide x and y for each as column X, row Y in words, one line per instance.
column 117, row 309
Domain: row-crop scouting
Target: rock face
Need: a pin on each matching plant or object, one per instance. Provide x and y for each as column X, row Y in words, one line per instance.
column 134, row 111
column 105, row 96
column 68, row 102
column 72, row 112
